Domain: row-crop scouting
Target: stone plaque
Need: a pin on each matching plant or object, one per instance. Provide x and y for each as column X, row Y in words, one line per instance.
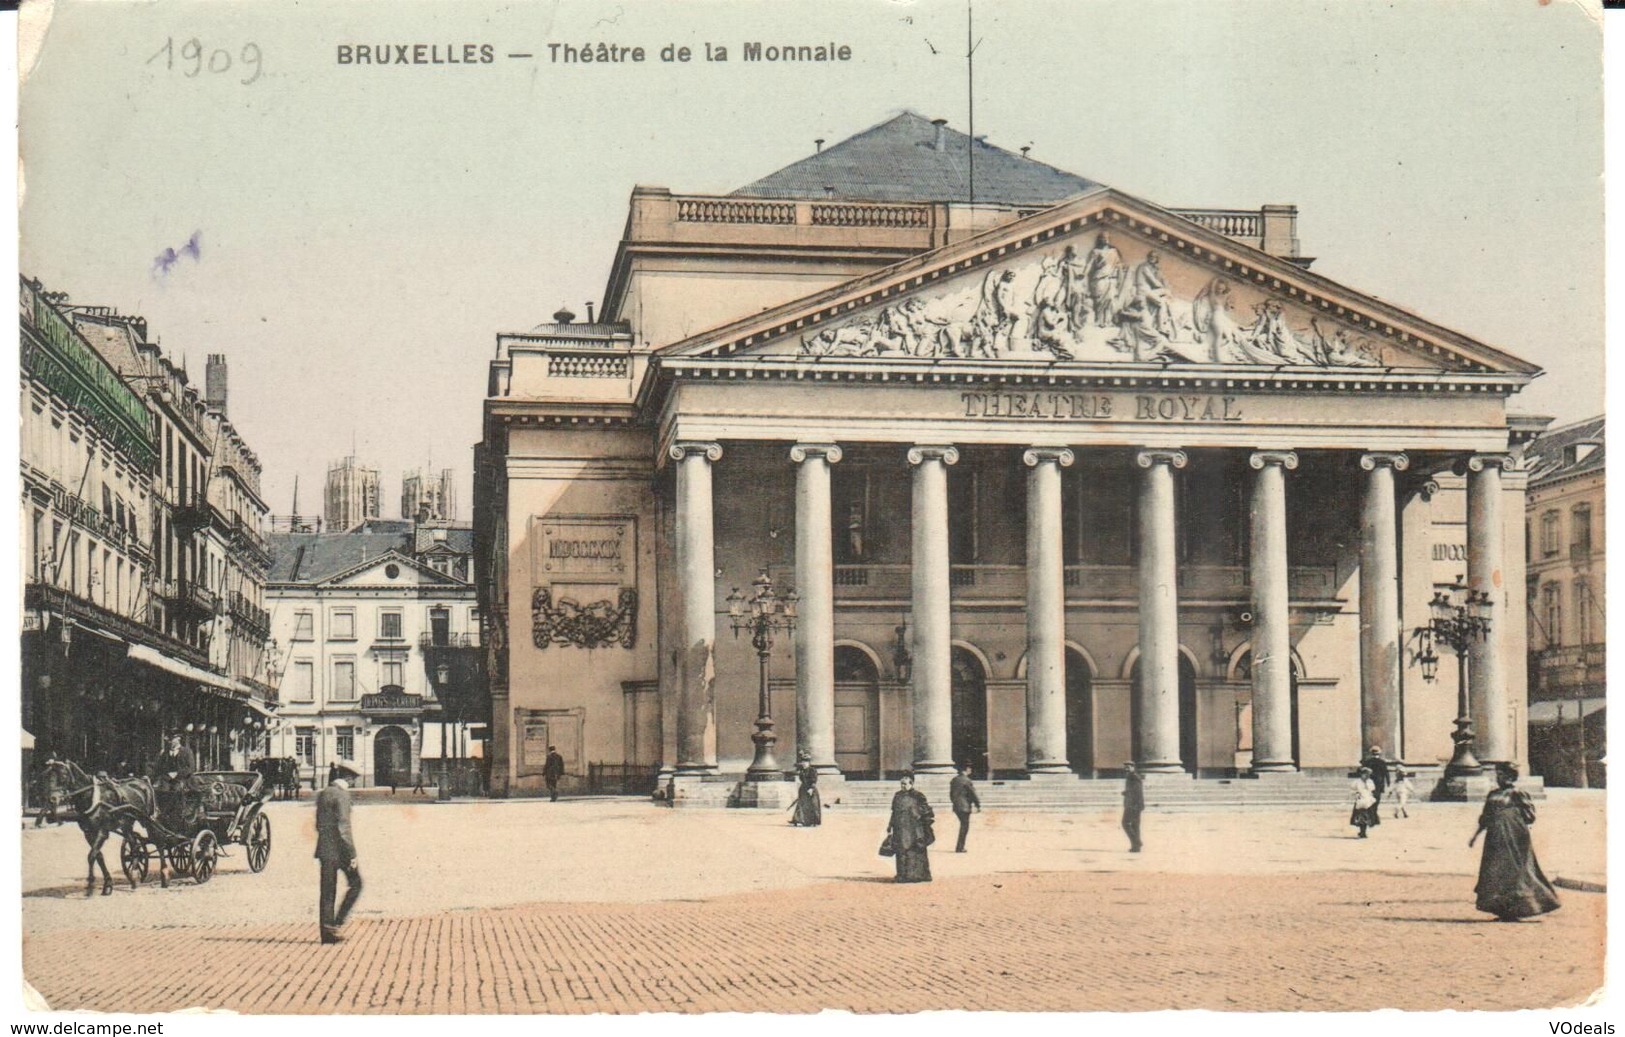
column 579, row 549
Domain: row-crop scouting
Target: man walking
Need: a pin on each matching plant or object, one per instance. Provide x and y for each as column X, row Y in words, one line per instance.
column 1133, row 805
column 552, row 771
column 962, row 792
column 335, row 848
column 1379, row 772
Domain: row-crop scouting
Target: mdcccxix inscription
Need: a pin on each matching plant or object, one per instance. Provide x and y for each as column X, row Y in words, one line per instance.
column 1066, row 406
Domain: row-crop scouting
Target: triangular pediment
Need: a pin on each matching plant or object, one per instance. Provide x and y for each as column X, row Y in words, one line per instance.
column 390, row 570
column 1103, row 279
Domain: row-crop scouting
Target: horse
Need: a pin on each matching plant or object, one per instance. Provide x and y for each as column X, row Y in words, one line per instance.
column 103, row 806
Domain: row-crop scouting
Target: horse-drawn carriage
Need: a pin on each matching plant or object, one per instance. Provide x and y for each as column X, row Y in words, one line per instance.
column 197, row 819
column 281, row 775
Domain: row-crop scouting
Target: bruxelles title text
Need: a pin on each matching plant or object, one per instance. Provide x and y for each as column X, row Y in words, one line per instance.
column 592, row 53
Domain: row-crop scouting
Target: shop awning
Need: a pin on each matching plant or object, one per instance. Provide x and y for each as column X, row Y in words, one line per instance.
column 180, row 668
column 1555, row 711
column 28, row 739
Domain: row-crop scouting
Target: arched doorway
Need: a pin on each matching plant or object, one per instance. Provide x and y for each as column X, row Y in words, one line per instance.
column 857, row 713
column 392, row 757
column 1080, row 715
column 969, row 712
column 1189, row 742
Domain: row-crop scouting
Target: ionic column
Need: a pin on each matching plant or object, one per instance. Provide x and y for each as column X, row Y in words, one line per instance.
column 1272, row 639
column 1157, row 740
column 815, row 582
column 1046, row 614
column 933, row 669
column 1380, row 636
column 1486, row 547
column 697, row 621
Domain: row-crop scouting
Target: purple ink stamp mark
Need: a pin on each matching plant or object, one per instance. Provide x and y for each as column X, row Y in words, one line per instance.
column 170, row 256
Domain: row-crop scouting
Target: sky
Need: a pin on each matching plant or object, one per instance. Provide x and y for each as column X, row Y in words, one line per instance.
column 365, row 232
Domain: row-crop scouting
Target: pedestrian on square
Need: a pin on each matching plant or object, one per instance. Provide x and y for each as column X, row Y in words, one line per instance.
column 335, row 848
column 1404, row 788
column 1365, row 802
column 808, row 811
column 1133, row 805
column 552, row 771
column 909, row 832
column 1378, row 767
column 1511, row 885
column 417, row 783
column 962, row 793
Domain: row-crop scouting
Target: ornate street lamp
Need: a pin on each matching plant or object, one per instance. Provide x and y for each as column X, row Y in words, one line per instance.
column 763, row 614
column 1455, row 625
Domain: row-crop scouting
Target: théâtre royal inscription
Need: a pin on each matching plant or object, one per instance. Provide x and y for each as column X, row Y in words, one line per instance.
column 1071, row 406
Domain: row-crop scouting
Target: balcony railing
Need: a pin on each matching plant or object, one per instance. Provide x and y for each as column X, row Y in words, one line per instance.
column 247, row 614
column 432, row 640
column 200, row 599
column 191, row 511
column 1111, row 582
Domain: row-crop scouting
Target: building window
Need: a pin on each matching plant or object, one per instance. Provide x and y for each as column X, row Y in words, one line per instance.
column 1551, row 609
column 389, row 625
column 343, row 625
column 1580, row 529
column 303, row 626
column 344, row 679
column 474, row 621
column 1551, row 540
column 346, row 743
column 301, row 682
column 304, row 744
column 1582, row 612
column 394, row 673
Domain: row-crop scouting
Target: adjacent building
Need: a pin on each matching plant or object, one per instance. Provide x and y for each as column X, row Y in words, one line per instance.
column 351, row 495
column 1568, row 658
column 378, row 635
column 144, row 556
column 1062, row 478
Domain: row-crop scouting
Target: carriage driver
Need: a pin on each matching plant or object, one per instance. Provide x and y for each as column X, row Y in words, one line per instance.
column 174, row 776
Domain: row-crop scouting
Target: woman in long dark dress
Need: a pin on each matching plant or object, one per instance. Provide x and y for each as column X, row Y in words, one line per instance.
column 809, row 812
column 1510, row 883
column 910, row 832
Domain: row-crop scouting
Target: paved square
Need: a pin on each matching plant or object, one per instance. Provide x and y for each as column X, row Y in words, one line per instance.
column 616, row 906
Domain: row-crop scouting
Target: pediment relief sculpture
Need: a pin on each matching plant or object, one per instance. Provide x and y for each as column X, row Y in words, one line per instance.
column 1102, row 306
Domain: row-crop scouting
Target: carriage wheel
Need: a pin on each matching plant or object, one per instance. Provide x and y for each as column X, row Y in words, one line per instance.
column 259, row 842
column 180, row 858
column 205, row 855
column 132, row 856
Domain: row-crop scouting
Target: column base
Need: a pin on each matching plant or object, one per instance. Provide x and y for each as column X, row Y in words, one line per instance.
column 1469, row 789
column 1168, row 777
column 699, row 789
column 1272, row 770
column 1051, row 777
column 935, row 768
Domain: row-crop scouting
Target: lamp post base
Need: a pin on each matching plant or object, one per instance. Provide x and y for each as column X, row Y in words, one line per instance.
column 1463, row 764
column 764, row 767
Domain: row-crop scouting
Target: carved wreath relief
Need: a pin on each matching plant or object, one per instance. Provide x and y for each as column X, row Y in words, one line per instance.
column 599, row 624
column 1094, row 307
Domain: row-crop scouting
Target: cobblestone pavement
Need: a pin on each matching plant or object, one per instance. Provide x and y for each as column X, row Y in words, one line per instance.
column 617, row 907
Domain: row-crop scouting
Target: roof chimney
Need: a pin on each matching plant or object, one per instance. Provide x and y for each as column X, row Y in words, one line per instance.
column 214, row 383
column 942, row 134
column 1025, row 149
column 818, row 145
column 829, row 192
column 563, row 315
column 589, row 313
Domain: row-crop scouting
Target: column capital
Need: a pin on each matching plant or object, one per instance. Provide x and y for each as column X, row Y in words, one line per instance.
column 1385, row 458
column 1479, row 462
column 686, row 447
column 1287, row 459
column 1173, row 458
column 923, row 453
column 828, row 451
column 1045, row 454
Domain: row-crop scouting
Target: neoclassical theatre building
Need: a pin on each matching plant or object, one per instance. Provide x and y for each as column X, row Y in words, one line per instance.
column 1061, row 479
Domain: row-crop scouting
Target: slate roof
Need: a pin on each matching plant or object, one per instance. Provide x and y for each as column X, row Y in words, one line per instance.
column 313, row 557
column 1549, row 454
column 459, row 539
column 897, row 161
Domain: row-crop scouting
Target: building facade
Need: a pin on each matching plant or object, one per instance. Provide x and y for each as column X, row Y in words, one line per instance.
column 1568, row 657
column 1061, row 478
column 380, row 655
column 144, row 561
column 351, row 496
